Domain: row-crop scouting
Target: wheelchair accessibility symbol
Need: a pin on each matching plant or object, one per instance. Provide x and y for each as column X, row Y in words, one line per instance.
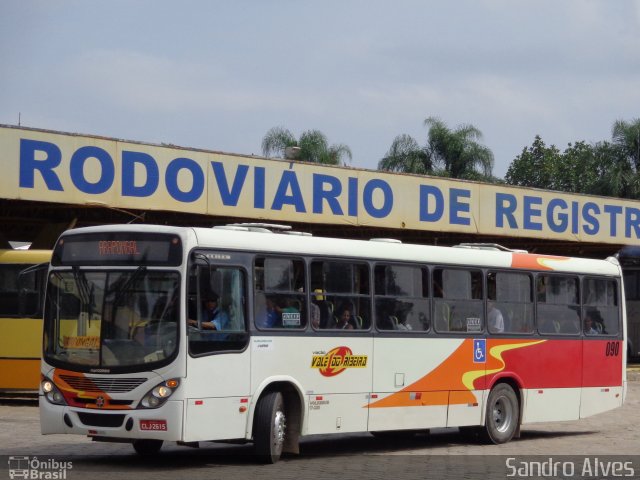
column 479, row 351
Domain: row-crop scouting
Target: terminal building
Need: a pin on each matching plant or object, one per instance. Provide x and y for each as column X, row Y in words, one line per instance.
column 51, row 181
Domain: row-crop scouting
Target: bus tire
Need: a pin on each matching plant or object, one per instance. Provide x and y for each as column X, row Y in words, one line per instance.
column 503, row 414
column 269, row 427
column 147, row 447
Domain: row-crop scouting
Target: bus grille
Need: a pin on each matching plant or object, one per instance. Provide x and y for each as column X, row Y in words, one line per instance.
column 103, row 384
column 101, row 420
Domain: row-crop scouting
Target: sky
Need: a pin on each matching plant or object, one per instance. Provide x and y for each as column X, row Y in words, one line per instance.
column 218, row 75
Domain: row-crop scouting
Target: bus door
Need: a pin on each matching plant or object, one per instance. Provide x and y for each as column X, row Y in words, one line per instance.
column 602, row 349
column 218, row 361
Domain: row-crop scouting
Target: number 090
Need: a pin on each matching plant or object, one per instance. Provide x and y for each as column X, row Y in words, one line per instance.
column 613, row 349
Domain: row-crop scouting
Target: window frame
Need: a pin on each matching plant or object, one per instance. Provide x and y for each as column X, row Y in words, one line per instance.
column 443, row 300
column 203, row 257
column 577, row 306
column 532, row 303
column 367, row 298
column 426, row 296
column 304, row 295
column 585, row 307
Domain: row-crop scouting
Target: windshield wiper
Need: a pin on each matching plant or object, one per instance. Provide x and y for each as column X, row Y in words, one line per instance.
column 122, row 289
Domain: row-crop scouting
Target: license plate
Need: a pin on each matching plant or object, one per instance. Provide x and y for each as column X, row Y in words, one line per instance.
column 155, row 425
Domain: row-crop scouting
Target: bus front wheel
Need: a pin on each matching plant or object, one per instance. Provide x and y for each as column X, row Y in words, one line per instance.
column 503, row 414
column 269, row 427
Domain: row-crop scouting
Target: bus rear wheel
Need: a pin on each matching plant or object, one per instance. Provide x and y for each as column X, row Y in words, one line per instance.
column 503, row 414
column 269, row 427
column 147, row 447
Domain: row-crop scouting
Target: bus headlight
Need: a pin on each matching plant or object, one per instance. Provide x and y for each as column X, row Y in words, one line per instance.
column 159, row 394
column 51, row 392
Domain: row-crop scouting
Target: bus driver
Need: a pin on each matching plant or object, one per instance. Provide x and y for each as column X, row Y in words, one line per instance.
column 212, row 318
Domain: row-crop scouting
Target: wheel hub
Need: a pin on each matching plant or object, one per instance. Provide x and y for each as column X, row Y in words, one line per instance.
column 502, row 415
column 279, row 427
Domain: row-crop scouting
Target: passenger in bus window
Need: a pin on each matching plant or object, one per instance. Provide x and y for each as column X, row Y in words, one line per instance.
column 346, row 321
column 315, row 315
column 424, row 320
column 318, row 320
column 495, row 318
column 270, row 317
column 598, row 322
column 592, row 321
column 213, row 317
column 402, row 323
column 588, row 326
column 542, row 290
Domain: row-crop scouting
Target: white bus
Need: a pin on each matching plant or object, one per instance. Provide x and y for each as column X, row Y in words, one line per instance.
column 304, row 335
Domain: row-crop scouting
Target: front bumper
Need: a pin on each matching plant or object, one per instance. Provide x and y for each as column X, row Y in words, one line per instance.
column 165, row 421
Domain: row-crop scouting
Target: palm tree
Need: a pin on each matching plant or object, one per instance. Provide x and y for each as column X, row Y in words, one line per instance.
column 453, row 153
column 313, row 146
column 405, row 155
column 627, row 136
column 458, row 150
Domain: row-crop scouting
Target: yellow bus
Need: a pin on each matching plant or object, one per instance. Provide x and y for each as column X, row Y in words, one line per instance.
column 21, row 293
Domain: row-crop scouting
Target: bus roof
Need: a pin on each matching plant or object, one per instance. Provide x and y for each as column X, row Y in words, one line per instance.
column 262, row 240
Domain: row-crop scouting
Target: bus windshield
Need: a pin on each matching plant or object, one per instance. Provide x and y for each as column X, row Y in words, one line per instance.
column 115, row 320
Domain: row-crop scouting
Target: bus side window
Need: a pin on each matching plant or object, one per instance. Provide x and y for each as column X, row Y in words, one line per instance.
column 344, row 287
column 557, row 305
column 600, row 303
column 280, row 293
column 458, row 306
column 9, row 289
column 402, row 298
column 227, row 286
column 509, row 302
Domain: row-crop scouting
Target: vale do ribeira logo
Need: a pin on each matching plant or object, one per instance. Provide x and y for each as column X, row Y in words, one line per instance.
column 337, row 361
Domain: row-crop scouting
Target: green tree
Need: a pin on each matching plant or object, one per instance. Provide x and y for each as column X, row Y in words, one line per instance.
column 452, row 153
column 313, row 146
column 576, row 169
column 535, row 166
column 602, row 168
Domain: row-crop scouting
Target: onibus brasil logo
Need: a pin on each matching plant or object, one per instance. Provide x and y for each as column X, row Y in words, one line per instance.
column 41, row 469
column 337, row 361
